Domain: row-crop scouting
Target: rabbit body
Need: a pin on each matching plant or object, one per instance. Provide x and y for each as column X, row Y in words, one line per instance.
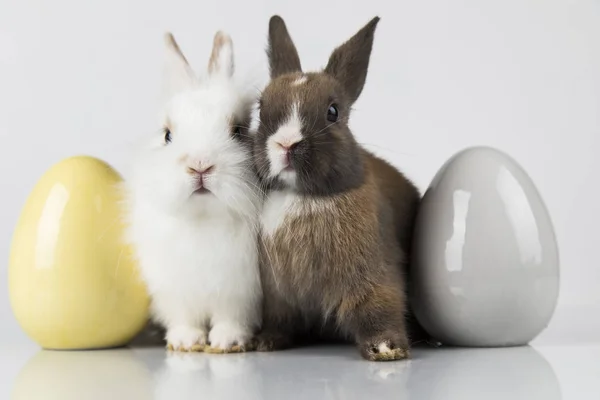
column 337, row 221
column 193, row 202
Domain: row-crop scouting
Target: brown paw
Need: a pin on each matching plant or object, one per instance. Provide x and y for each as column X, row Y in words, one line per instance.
column 272, row 342
column 384, row 350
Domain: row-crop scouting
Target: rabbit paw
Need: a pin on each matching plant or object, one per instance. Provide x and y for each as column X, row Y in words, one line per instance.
column 272, row 341
column 384, row 350
column 228, row 338
column 185, row 338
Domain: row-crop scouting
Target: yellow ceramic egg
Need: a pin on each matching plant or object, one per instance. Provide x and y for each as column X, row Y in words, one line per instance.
column 73, row 283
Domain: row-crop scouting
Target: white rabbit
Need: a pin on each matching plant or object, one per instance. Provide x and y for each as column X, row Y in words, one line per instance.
column 192, row 202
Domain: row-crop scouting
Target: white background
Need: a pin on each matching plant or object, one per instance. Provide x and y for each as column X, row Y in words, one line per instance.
column 82, row 77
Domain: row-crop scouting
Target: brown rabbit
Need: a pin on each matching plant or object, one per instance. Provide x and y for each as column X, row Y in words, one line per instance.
column 337, row 221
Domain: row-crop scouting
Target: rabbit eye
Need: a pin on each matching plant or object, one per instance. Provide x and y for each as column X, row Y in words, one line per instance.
column 332, row 113
column 167, row 135
column 236, row 130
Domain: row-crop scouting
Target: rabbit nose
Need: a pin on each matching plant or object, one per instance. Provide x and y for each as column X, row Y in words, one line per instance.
column 288, row 148
column 200, row 171
column 200, row 174
column 288, row 151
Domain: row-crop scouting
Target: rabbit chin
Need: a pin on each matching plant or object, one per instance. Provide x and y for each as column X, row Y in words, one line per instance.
column 204, row 204
column 288, row 178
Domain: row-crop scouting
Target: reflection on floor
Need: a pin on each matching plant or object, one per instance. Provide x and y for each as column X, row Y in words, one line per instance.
column 330, row 372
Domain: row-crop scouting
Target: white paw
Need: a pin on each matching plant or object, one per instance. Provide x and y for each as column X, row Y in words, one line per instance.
column 225, row 336
column 186, row 338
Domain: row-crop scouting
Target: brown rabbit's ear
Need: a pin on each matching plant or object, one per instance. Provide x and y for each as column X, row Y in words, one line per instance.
column 282, row 53
column 349, row 62
column 177, row 74
column 221, row 58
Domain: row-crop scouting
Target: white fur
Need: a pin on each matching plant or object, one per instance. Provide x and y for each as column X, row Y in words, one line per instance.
column 288, row 134
column 283, row 204
column 197, row 253
column 383, row 348
column 278, row 205
column 300, row 81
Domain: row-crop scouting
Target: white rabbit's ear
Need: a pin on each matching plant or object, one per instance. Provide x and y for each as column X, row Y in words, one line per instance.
column 221, row 58
column 177, row 74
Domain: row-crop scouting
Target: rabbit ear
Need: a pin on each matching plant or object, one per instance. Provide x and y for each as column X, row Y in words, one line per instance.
column 349, row 62
column 282, row 53
column 177, row 73
column 221, row 58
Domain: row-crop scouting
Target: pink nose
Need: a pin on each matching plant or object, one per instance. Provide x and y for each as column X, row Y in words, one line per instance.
column 200, row 173
column 288, row 148
column 288, row 151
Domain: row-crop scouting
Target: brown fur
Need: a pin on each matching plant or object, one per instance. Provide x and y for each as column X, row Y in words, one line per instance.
column 349, row 62
column 338, row 270
column 239, row 126
column 336, row 266
column 334, row 168
column 282, row 53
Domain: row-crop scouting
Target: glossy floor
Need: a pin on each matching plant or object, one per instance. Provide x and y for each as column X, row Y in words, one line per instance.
column 332, row 372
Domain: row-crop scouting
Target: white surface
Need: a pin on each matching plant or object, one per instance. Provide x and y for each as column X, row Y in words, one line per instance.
column 523, row 373
column 521, row 75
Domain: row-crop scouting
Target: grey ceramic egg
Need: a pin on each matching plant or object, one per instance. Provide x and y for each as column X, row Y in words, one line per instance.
column 485, row 270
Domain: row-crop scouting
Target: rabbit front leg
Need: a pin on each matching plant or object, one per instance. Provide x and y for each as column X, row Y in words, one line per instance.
column 280, row 323
column 377, row 322
column 185, row 337
column 229, row 336
column 278, row 330
column 233, row 324
column 185, row 327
